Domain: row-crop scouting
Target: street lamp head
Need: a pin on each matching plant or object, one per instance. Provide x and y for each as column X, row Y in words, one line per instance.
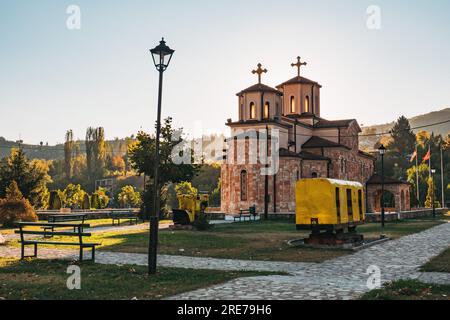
column 161, row 55
column 382, row 150
column 433, row 171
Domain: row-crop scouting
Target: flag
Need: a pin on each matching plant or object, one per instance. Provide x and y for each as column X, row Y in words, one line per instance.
column 427, row 156
column 413, row 156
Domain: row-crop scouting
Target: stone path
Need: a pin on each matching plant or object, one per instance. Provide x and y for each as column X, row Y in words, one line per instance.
column 344, row 277
column 341, row 278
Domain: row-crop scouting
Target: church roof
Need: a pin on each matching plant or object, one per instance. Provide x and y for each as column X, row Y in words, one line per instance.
column 259, row 87
column 299, row 79
column 333, row 123
column 283, row 152
column 311, row 156
column 376, row 179
column 318, row 142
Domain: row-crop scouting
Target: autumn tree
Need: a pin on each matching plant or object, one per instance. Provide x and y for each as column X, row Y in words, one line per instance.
column 129, row 197
column 31, row 176
column 74, row 196
column 142, row 159
column 95, row 152
column 185, row 188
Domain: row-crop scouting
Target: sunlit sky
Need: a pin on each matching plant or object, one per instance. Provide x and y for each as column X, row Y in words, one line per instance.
column 53, row 79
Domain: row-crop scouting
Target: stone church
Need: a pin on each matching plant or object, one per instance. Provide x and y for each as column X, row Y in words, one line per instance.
column 308, row 145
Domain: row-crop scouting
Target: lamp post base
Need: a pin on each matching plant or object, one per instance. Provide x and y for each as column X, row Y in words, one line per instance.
column 153, row 243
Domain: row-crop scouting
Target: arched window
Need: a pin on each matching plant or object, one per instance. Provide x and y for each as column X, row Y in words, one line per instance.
column 267, row 110
column 292, row 104
column 307, row 104
column 244, row 186
column 252, row 110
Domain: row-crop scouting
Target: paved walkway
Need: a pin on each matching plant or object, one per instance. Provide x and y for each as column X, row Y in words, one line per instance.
column 341, row 278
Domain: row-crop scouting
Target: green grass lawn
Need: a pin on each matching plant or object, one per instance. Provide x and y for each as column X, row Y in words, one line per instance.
column 261, row 240
column 441, row 263
column 409, row 290
column 46, row 280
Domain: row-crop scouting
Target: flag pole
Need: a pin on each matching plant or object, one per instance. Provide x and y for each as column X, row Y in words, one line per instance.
column 442, row 178
column 417, row 178
column 429, row 159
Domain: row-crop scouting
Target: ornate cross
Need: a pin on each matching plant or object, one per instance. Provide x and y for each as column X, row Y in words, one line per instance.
column 259, row 71
column 298, row 65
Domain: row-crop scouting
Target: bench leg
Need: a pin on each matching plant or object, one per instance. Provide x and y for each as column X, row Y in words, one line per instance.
column 22, row 251
column 81, row 253
column 93, row 254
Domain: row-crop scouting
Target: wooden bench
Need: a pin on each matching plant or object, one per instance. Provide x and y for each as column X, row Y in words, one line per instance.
column 45, row 234
column 63, row 217
column 246, row 213
column 130, row 216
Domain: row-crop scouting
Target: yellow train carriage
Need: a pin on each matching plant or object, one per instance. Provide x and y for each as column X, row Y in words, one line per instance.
column 327, row 204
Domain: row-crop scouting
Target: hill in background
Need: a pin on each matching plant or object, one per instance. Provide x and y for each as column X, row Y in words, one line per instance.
column 118, row 146
column 367, row 143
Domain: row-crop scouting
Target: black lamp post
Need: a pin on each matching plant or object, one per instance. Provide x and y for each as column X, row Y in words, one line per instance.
column 382, row 151
column 161, row 55
column 433, row 171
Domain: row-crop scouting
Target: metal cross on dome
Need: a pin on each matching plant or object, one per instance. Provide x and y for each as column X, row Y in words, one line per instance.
column 298, row 65
column 259, row 71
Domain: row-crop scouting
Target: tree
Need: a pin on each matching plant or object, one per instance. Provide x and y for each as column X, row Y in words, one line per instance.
column 95, row 152
column 15, row 207
column 86, row 205
column 55, row 202
column 185, row 188
column 13, row 192
column 74, row 196
column 399, row 147
column 68, row 154
column 424, row 171
column 129, row 197
column 142, row 158
column 31, row 176
column 99, row 199
column 207, row 177
column 431, row 189
column 214, row 199
column 403, row 138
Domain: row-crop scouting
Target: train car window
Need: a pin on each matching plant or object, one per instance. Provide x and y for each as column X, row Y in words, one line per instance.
column 338, row 205
column 360, row 205
column 349, row 202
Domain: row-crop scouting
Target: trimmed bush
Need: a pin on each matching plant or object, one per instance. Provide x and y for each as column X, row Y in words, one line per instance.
column 15, row 210
column 55, row 201
column 95, row 201
column 86, row 205
column 202, row 222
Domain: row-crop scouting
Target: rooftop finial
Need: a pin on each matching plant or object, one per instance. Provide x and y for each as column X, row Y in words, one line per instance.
column 259, row 71
column 299, row 64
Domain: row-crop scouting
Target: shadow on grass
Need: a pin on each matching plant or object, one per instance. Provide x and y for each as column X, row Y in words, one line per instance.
column 46, row 280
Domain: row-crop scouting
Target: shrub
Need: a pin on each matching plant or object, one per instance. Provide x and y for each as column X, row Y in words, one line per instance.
column 95, row 201
column 15, row 208
column 86, row 205
column 202, row 222
column 55, row 201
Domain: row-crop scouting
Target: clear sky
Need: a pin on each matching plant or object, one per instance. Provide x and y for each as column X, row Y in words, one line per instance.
column 53, row 79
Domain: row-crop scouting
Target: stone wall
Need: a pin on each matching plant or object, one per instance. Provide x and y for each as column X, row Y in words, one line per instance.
column 394, row 216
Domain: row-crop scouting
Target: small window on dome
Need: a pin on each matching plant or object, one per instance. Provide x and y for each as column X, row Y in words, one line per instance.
column 307, row 104
column 252, row 110
column 292, row 104
column 267, row 110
